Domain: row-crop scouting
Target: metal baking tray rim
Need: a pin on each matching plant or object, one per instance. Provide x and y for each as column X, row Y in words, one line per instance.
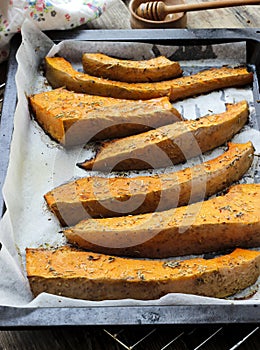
column 10, row 316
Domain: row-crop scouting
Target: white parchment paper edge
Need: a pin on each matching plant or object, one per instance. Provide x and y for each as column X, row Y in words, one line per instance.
column 33, row 163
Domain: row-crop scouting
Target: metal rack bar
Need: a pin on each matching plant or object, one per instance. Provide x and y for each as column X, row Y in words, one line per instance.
column 208, row 338
column 2, row 92
column 172, row 341
column 244, row 339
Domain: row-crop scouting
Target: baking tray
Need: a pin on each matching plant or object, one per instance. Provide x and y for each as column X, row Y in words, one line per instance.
column 129, row 315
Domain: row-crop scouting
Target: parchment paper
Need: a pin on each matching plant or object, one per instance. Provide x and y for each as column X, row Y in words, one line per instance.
column 37, row 164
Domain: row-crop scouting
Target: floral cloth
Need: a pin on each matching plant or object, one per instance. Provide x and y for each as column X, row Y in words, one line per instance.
column 48, row 14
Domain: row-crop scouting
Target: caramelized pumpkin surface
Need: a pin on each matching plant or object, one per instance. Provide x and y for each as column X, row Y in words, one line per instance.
column 97, row 196
column 60, row 73
column 170, row 144
column 73, row 118
column 227, row 221
column 130, row 71
column 86, row 275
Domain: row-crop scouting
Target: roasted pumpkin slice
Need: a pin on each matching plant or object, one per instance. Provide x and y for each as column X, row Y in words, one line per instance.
column 85, row 275
column 170, row 144
column 72, row 119
column 156, row 69
column 60, row 72
column 104, row 197
column 223, row 222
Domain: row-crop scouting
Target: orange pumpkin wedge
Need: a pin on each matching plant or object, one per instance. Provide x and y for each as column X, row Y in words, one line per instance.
column 73, row 118
column 227, row 221
column 85, row 275
column 60, row 73
column 169, row 144
column 130, row 71
column 95, row 196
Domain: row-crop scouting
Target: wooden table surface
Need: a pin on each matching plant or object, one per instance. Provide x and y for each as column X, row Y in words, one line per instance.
column 188, row 337
column 117, row 16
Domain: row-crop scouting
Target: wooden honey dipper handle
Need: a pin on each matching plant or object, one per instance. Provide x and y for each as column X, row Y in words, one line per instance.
column 157, row 10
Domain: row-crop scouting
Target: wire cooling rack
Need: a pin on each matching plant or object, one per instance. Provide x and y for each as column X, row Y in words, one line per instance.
column 217, row 337
column 193, row 337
